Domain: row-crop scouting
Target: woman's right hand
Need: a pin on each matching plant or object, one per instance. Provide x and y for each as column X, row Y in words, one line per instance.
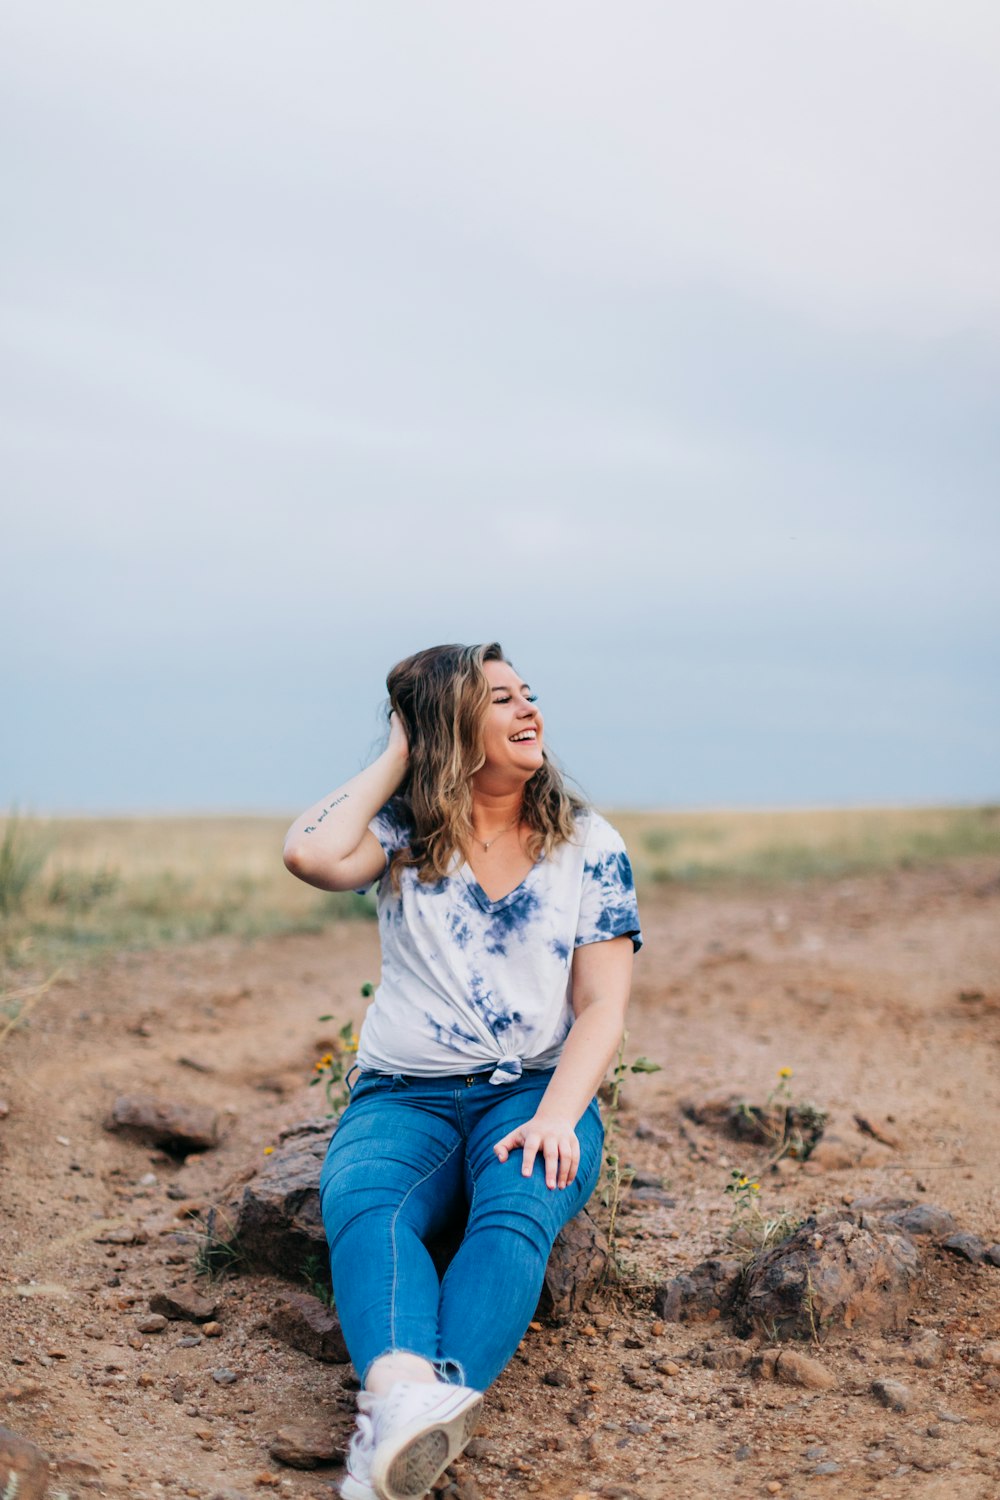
column 399, row 742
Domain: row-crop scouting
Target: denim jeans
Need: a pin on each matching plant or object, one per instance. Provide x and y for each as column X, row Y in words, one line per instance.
column 411, row 1155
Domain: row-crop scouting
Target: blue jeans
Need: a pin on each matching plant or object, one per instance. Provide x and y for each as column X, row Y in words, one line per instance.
column 411, row 1155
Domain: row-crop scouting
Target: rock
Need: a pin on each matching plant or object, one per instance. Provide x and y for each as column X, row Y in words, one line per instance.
column 166, row 1123
column 76, row 1468
column 707, row 1291
column 308, row 1324
column 223, row 1376
column 4, row 1109
column 155, row 1323
column 304, row 1445
column 792, row 1368
column 556, row 1377
column 992, row 1254
column 921, row 1219
column 968, row 1246
column 990, row 1354
column 927, row 1349
column 24, row 1469
column 272, row 1221
column 796, row 1126
column 578, row 1263
column 834, row 1154
column 184, row 1302
column 827, row 1467
column 893, row 1394
column 880, row 1128
column 834, row 1271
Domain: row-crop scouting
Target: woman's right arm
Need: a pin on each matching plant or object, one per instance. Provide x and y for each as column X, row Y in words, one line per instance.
column 331, row 845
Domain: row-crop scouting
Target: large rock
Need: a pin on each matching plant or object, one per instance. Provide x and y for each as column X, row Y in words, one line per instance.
column 308, row 1324
column 272, row 1221
column 840, row 1270
column 24, row 1469
column 706, row 1292
column 165, row 1123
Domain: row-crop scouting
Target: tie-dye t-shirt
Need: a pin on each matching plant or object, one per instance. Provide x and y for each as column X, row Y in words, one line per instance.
column 469, row 984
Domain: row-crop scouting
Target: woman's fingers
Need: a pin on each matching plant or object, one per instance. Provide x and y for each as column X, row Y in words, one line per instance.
column 560, row 1152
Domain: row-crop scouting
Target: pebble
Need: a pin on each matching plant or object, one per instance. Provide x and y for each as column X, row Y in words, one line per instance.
column 990, row 1354
column 893, row 1394
column 152, row 1323
column 212, row 1330
column 223, row 1376
column 828, row 1467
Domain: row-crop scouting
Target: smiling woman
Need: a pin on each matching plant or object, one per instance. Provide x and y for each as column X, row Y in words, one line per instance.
column 508, row 923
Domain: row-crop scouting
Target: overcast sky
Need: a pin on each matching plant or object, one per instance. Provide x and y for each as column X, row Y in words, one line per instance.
column 660, row 342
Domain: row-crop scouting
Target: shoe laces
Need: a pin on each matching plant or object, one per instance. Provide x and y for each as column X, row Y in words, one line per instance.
column 361, row 1448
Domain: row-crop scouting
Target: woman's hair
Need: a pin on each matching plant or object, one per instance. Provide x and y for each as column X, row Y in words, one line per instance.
column 442, row 696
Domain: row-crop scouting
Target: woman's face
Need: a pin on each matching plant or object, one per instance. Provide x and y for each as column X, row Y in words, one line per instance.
column 512, row 738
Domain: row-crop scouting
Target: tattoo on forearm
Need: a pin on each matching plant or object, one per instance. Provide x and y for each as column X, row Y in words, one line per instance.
column 312, row 827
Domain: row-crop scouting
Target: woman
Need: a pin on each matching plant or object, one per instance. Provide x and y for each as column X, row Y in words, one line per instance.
column 508, row 923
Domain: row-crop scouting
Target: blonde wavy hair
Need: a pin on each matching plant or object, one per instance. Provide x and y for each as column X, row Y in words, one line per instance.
column 442, row 696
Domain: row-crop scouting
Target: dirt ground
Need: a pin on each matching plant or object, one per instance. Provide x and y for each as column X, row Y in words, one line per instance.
column 881, row 993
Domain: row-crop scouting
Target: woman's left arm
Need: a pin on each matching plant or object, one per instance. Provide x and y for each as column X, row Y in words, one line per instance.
column 602, row 978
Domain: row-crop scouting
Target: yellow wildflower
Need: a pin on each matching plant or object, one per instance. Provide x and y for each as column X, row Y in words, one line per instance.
column 755, row 1187
column 784, row 1072
column 743, row 1181
column 268, row 1150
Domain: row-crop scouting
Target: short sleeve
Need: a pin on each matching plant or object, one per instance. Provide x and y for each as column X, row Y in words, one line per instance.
column 608, row 906
column 391, row 827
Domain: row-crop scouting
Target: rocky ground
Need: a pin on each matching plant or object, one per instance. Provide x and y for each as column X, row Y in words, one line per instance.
column 882, row 995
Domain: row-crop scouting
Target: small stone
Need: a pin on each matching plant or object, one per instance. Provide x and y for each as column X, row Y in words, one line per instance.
column 4, row 1109
column 77, row 1468
column 937, row 1430
column 556, row 1377
column 303, row 1446
column 184, row 1302
column 923, row 1219
column 992, row 1254
column 173, row 1126
column 792, row 1368
column 212, row 1330
column 927, row 1349
column 152, row 1323
column 990, row 1354
column 308, row 1324
column 773, row 1487
column 190, row 1341
column 968, row 1246
column 743, row 1452
column 266, row 1479
column 657, row 1328
column 893, row 1394
column 951, row 1416
column 827, row 1467
column 224, row 1376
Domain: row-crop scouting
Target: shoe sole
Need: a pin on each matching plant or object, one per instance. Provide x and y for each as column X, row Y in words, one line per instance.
column 421, row 1454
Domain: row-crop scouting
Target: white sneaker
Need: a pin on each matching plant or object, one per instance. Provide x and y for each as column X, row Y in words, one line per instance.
column 406, row 1439
column 356, row 1484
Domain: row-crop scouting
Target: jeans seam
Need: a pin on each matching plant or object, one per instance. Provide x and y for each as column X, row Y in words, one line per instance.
column 395, row 1257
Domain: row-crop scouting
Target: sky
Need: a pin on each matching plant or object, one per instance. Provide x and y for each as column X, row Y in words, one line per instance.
column 659, row 342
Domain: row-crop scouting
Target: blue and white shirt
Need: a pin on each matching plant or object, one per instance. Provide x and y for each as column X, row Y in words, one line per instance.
column 470, row 984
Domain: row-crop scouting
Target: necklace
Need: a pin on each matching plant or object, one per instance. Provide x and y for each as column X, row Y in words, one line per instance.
column 487, row 842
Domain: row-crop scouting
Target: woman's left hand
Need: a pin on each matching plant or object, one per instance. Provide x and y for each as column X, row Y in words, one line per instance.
column 555, row 1139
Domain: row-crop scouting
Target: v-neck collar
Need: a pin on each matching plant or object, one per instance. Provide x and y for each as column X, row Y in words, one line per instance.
column 484, row 901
